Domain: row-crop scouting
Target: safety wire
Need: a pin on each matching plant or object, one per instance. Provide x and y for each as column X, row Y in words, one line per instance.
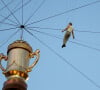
column 62, row 58
column 8, row 24
column 43, row 28
column 87, row 31
column 15, row 10
column 10, row 37
column 48, row 34
column 59, row 29
column 21, row 36
column 22, row 12
column 83, row 45
column 10, row 11
column 6, row 5
column 35, row 11
column 60, row 37
column 98, row 1
column 9, row 20
column 7, row 29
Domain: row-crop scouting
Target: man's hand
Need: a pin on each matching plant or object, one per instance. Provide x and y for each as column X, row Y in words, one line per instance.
column 63, row 30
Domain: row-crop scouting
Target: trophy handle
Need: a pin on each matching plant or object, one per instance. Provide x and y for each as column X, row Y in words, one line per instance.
column 2, row 56
column 36, row 53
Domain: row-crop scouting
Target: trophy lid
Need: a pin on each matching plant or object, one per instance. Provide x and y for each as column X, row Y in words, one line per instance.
column 20, row 44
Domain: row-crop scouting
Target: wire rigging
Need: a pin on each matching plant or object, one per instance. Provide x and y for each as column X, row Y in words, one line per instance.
column 62, row 58
column 10, row 37
column 97, row 44
column 22, row 12
column 87, row 31
column 10, row 12
column 6, row 5
column 9, row 19
column 8, row 24
column 59, row 29
column 44, row 28
column 6, row 18
column 65, row 12
column 48, row 34
column 21, row 36
column 35, row 11
column 7, row 29
column 15, row 10
column 59, row 37
column 85, row 46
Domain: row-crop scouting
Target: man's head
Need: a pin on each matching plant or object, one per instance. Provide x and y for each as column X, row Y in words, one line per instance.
column 70, row 23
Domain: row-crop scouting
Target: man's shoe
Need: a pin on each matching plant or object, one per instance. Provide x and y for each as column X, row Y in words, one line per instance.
column 63, row 45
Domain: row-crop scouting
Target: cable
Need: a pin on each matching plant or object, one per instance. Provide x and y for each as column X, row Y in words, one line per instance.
column 87, row 31
column 10, row 37
column 52, row 35
column 9, row 16
column 48, row 34
column 65, row 12
column 45, row 28
column 10, row 11
column 22, row 12
column 7, row 29
column 8, row 19
column 62, row 58
column 21, row 37
column 6, row 5
column 85, row 46
column 35, row 11
column 8, row 24
column 91, row 43
column 16, row 10
column 62, row 29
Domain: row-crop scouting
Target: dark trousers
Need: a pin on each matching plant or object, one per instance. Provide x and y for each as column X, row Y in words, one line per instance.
column 66, row 37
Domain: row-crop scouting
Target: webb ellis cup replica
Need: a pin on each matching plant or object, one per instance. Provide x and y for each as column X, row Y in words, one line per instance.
column 18, row 56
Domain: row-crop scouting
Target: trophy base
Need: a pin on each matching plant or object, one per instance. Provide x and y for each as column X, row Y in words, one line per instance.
column 15, row 84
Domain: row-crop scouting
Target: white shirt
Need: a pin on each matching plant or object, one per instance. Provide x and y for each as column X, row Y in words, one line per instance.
column 70, row 29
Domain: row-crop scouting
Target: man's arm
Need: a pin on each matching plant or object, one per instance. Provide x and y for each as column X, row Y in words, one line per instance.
column 65, row 29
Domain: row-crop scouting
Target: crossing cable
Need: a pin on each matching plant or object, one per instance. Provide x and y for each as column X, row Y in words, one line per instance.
column 59, row 29
column 21, row 36
column 15, row 10
column 48, row 34
column 66, row 61
column 10, row 37
column 85, row 46
column 6, row 5
column 8, row 24
column 87, row 31
column 44, row 28
column 7, row 29
column 97, row 44
column 8, row 19
column 22, row 12
column 65, row 12
column 10, row 12
column 59, row 37
column 35, row 11
column 9, row 16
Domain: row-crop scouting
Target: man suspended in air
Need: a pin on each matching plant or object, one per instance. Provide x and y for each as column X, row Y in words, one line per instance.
column 69, row 30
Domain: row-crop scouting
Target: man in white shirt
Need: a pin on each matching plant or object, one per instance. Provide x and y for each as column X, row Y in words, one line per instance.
column 69, row 30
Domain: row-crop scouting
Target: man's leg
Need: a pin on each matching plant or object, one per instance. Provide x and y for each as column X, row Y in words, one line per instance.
column 66, row 37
